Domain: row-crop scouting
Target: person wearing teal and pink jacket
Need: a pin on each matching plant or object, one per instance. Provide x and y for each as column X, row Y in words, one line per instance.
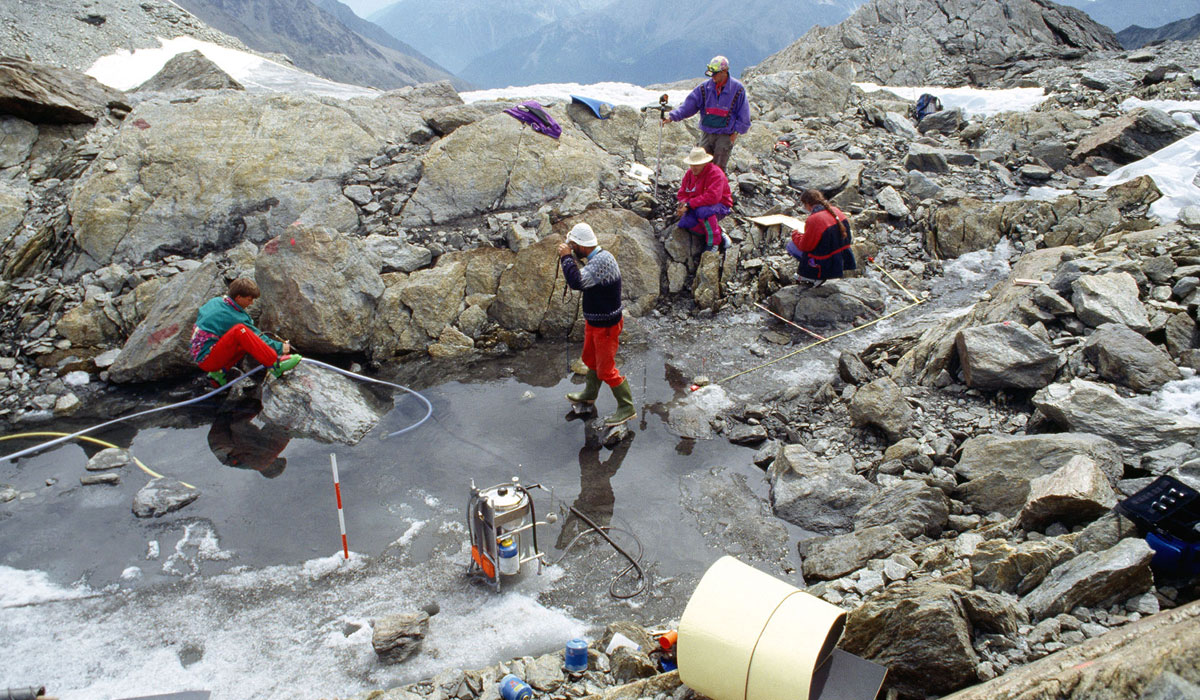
column 704, row 199
column 724, row 111
column 224, row 333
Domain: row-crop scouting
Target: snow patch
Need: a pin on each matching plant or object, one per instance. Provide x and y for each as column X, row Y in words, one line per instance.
column 19, row 588
column 1174, row 169
column 973, row 102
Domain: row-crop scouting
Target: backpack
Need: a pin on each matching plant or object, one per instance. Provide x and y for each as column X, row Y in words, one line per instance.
column 926, row 104
column 536, row 116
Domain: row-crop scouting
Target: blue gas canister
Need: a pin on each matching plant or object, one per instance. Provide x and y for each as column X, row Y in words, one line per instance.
column 513, row 688
column 575, row 660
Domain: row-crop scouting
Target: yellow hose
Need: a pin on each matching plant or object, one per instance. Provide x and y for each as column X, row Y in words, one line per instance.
column 95, row 441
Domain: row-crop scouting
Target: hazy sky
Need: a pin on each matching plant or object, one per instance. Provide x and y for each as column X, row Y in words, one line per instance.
column 362, row 8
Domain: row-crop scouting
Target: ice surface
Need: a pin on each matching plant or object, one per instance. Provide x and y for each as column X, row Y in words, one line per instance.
column 19, row 588
column 125, row 71
column 975, row 102
column 1180, row 398
column 1174, row 170
column 616, row 93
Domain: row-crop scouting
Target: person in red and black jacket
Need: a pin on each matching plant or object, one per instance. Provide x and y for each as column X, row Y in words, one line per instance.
column 823, row 248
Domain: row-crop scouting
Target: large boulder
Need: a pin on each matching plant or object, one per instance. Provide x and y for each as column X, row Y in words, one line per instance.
column 1076, row 492
column 1016, row 567
column 1005, row 356
column 921, row 632
column 435, row 296
column 159, row 346
column 997, row 469
column 421, row 97
column 319, row 289
column 833, row 303
column 630, row 239
column 397, row 637
column 1127, row 663
column 882, row 404
column 496, row 163
column 45, row 94
column 317, row 403
column 839, row 555
column 1123, row 356
column 912, row 507
column 206, row 174
column 815, row 93
column 818, row 495
column 1132, row 136
column 190, row 70
column 1094, row 578
column 827, row 171
column 1109, row 298
column 1087, row 406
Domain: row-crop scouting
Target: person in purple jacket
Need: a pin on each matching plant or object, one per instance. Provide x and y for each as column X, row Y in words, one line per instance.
column 724, row 111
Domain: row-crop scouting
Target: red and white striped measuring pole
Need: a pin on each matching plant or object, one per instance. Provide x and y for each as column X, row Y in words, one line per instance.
column 337, row 490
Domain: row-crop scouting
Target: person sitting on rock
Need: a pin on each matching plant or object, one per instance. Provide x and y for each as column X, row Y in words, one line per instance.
column 823, row 249
column 224, row 333
column 704, row 199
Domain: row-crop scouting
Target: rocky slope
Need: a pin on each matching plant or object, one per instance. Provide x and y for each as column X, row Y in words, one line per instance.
column 1137, row 36
column 319, row 40
column 944, row 42
column 958, row 473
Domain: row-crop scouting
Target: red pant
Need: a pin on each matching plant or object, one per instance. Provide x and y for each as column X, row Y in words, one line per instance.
column 234, row 345
column 600, row 351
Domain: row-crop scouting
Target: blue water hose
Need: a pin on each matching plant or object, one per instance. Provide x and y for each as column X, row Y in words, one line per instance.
column 58, row 441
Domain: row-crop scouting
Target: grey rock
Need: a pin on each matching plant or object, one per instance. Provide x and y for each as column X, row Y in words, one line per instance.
column 1109, row 298
column 546, row 673
column 1083, row 405
column 631, row 664
column 881, row 404
column 319, row 289
column 1189, row 216
column 920, row 631
column 445, row 119
column 421, row 97
column 261, row 175
column 817, row 495
column 899, row 125
column 1132, row 136
column 745, row 434
column 190, row 70
column 397, row 637
column 927, row 159
column 1125, row 357
column 321, row 404
column 1093, row 578
column 359, row 194
column 160, row 345
column 44, row 94
column 920, row 186
column 1016, row 567
column 912, row 507
column 1076, row 492
column 692, row 416
column 161, row 496
column 892, row 203
column 804, row 93
column 837, row 556
column 852, row 369
column 997, row 469
column 947, row 121
column 1103, row 79
column 396, row 254
column 1180, row 334
column 835, row 302
column 1167, row 459
column 827, row 171
column 1005, row 356
column 108, row 458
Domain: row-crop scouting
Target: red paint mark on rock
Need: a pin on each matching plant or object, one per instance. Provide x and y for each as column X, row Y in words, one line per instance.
column 271, row 247
column 158, row 336
column 141, row 124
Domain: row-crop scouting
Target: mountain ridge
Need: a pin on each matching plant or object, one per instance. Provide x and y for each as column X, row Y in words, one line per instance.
column 1182, row 30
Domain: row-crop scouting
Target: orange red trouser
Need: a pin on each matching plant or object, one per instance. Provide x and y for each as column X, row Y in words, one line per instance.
column 234, row 345
column 600, row 351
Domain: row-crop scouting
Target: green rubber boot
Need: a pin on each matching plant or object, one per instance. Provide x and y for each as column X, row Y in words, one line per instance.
column 625, row 411
column 590, row 390
column 217, row 378
column 285, row 364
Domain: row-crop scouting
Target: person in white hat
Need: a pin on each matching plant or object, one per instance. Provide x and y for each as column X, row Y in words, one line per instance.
column 724, row 111
column 704, row 199
column 603, row 318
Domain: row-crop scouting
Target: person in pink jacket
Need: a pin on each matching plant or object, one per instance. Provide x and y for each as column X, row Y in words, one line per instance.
column 704, row 199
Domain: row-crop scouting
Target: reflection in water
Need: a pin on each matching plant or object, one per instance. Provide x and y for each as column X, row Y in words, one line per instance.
column 596, row 499
column 238, row 442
